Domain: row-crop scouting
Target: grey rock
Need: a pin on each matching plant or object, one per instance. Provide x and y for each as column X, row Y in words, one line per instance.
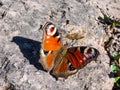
column 20, row 38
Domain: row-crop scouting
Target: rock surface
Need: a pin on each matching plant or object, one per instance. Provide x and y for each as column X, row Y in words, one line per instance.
column 20, row 39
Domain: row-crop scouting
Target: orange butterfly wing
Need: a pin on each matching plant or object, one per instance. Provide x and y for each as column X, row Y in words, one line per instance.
column 61, row 64
column 72, row 60
column 51, row 37
column 51, row 42
column 80, row 56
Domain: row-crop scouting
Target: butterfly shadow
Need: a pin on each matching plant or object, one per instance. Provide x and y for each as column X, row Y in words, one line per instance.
column 30, row 49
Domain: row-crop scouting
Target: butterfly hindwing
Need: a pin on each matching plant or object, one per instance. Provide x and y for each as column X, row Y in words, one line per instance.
column 46, row 59
column 61, row 64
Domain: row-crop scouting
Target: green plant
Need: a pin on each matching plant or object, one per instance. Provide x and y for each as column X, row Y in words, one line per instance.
column 107, row 21
column 116, row 68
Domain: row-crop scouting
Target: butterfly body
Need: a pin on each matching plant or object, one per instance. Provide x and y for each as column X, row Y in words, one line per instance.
column 60, row 60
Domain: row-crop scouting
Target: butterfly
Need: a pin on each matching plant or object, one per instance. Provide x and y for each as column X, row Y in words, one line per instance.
column 61, row 60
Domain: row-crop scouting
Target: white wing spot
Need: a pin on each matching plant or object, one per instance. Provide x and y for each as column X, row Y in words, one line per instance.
column 48, row 37
column 47, row 41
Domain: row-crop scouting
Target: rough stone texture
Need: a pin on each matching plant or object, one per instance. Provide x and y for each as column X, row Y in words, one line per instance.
column 20, row 37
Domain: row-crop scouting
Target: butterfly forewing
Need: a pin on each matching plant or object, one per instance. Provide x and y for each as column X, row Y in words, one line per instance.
column 72, row 60
column 50, row 42
column 80, row 56
column 51, row 37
